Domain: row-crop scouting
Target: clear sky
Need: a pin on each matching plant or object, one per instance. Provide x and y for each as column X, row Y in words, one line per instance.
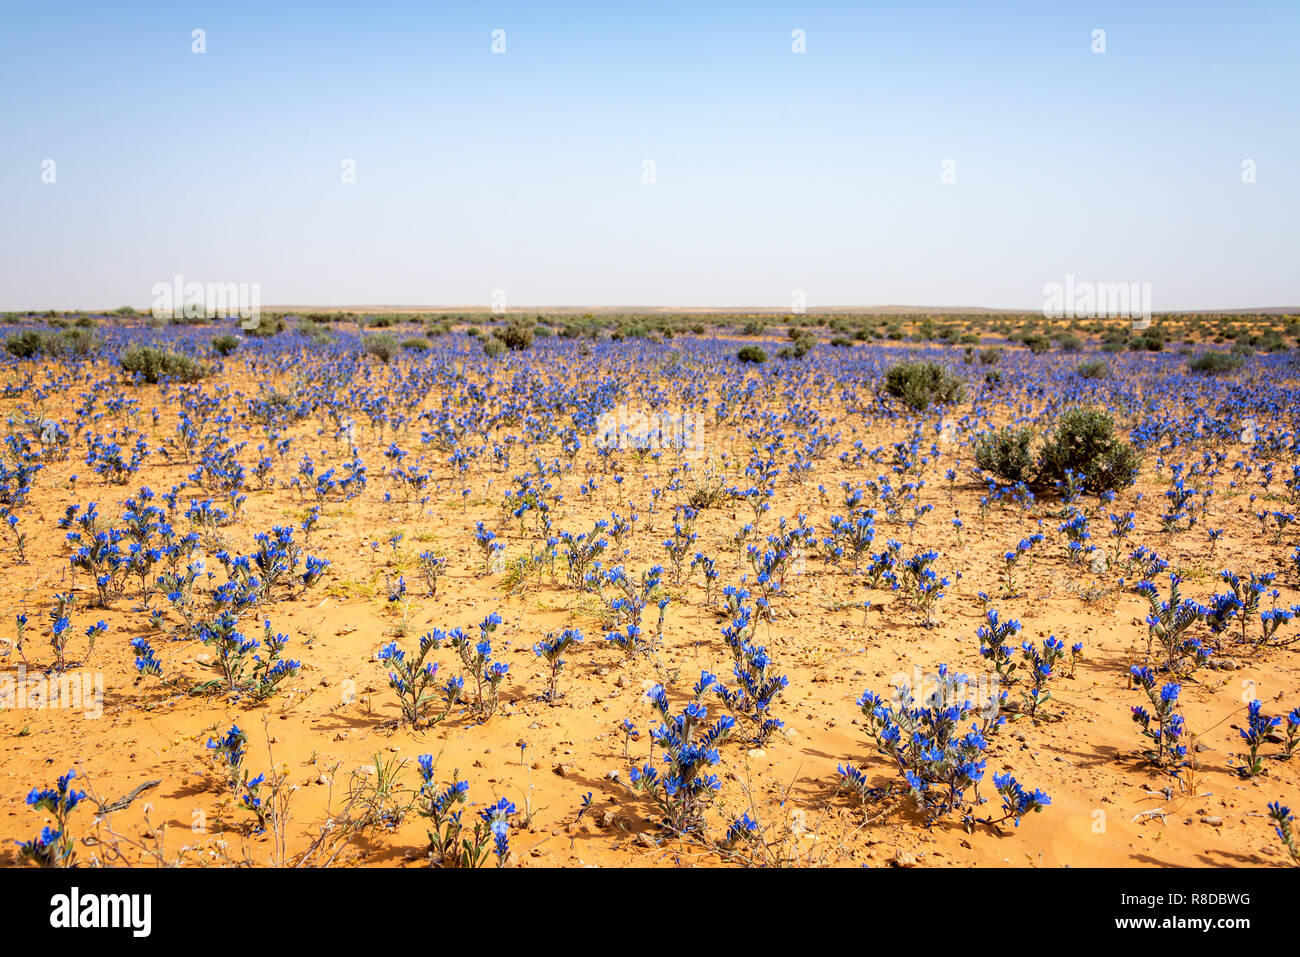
column 773, row 170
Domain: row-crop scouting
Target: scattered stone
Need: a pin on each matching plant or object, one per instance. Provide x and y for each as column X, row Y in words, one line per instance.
column 902, row 858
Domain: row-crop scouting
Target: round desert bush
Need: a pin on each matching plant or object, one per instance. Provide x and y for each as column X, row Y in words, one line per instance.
column 1214, row 363
column 1084, row 442
column 517, row 335
column 150, row 364
column 225, row 345
column 77, row 341
column 70, row 341
column 381, row 346
column 1006, row 453
column 802, row 345
column 918, row 384
column 751, row 354
column 1036, row 343
column 492, row 348
column 27, row 344
column 415, row 344
column 264, row 326
column 313, row 331
column 1092, row 369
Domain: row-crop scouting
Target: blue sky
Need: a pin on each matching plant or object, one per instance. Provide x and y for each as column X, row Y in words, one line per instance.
column 774, row 171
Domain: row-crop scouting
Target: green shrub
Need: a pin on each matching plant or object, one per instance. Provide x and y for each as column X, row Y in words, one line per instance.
column 27, row 344
column 492, row 348
column 225, row 345
column 517, row 335
column 1069, row 342
column 77, row 341
column 1092, row 369
column 382, row 346
column 33, row 343
column 313, row 331
column 751, row 354
column 1215, row 363
column 150, row 364
column 918, row 384
column 803, row 345
column 1084, row 442
column 1006, row 453
column 415, row 344
column 264, row 326
column 1036, row 343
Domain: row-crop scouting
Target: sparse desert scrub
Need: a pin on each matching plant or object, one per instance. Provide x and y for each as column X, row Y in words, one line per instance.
column 452, row 555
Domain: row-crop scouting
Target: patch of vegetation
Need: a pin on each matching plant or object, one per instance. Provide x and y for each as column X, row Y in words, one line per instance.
column 920, row 384
column 517, row 334
column 36, row 343
column 152, row 365
column 1008, row 454
column 1215, row 363
column 225, row 345
column 382, row 346
column 1084, row 442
